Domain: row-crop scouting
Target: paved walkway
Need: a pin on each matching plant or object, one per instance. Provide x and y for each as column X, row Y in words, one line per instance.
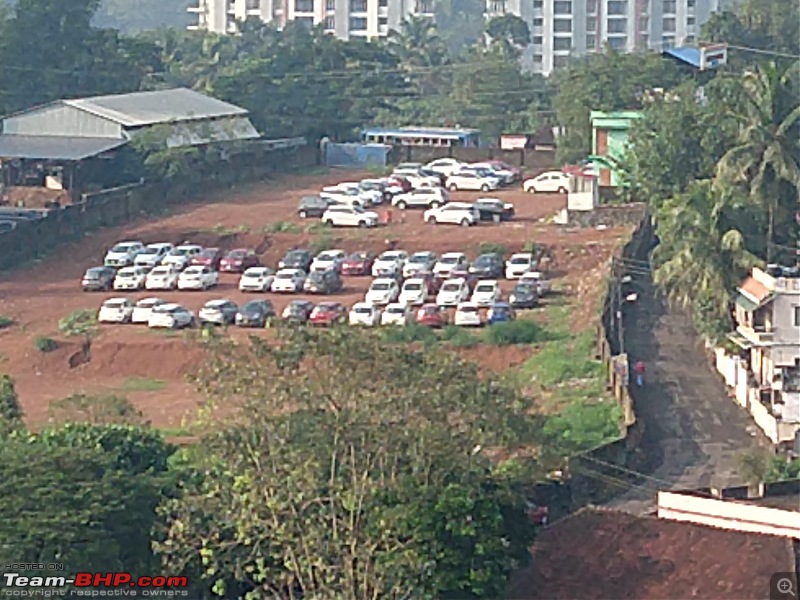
column 693, row 430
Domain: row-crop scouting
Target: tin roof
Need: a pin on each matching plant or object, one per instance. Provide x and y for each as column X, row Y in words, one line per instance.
column 687, row 55
column 149, row 108
column 55, row 147
column 437, row 132
column 755, row 290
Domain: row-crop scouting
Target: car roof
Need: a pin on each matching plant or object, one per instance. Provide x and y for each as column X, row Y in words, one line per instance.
column 452, row 254
column 131, row 268
column 522, row 254
column 459, row 280
column 171, row 306
column 186, row 246
column 128, row 242
column 465, row 205
column 158, row 244
column 149, row 300
column 331, row 251
column 383, row 280
column 363, row 304
column 195, row 268
column 397, row 305
column 299, row 302
column 115, row 300
column 329, row 304
column 467, row 304
column 218, row 302
column 492, row 282
column 257, row 269
column 289, row 270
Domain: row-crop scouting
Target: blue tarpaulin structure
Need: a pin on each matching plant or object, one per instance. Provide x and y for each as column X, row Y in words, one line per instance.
column 356, row 156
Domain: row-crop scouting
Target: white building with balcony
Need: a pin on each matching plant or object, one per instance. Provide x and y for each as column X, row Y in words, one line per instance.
column 342, row 18
column 765, row 374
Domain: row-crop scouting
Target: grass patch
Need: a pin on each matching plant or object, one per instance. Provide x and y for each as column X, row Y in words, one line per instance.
column 79, row 322
column 281, row 227
column 557, row 363
column 220, row 229
column 323, row 242
column 143, row 384
column 517, row 332
column 5, row 322
column 583, row 425
column 316, row 227
column 492, row 248
column 410, row 333
column 460, row 337
column 45, row 344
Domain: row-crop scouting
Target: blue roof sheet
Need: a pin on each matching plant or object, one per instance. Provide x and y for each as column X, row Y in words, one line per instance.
column 440, row 132
column 686, row 54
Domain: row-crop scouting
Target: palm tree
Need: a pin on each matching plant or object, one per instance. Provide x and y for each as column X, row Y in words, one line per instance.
column 766, row 159
column 700, row 258
column 420, row 51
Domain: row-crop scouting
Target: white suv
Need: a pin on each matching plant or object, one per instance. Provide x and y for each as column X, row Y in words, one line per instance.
column 547, row 182
column 123, row 254
column 352, row 189
column 349, row 216
column 457, row 213
column 422, row 197
column 519, row 264
column 445, row 166
column 472, row 180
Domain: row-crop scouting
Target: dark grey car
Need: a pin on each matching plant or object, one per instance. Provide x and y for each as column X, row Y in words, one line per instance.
column 312, row 206
column 487, row 266
column 524, row 295
column 98, row 279
column 255, row 313
column 296, row 259
column 323, row 282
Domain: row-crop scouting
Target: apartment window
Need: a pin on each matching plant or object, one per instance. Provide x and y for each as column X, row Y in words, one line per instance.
column 562, row 7
column 537, row 59
column 358, row 23
column 690, row 39
column 669, row 7
column 253, row 4
column 538, row 22
column 562, row 26
column 329, row 22
column 797, row 316
column 668, row 26
column 591, row 6
column 537, row 40
column 562, row 43
column 383, row 22
column 537, row 4
column 424, row 6
column 643, row 23
column 617, row 7
column 383, row 3
column 358, row 5
column 690, row 4
column 618, row 43
column 307, row 22
column 560, row 61
column 303, row 5
column 667, row 42
column 591, row 42
column 617, row 25
column 591, row 23
column 690, row 21
column 330, row 5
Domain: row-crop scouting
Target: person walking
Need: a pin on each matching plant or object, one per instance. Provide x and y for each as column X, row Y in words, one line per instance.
column 639, row 370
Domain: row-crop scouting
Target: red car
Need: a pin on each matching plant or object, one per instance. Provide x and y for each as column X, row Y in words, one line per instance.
column 237, row 261
column 209, row 257
column 499, row 164
column 432, row 315
column 401, row 182
column 433, row 282
column 327, row 313
column 358, row 263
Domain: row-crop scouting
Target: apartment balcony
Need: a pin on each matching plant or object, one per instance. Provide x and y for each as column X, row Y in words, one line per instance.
column 758, row 335
column 197, row 9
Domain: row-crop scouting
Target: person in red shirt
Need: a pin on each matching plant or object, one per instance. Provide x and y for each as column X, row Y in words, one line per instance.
column 639, row 369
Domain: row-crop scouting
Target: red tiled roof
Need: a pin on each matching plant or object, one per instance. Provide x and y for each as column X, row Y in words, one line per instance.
column 600, row 554
column 755, row 289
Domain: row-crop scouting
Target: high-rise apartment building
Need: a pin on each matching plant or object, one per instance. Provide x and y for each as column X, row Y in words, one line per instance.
column 561, row 29
column 343, row 18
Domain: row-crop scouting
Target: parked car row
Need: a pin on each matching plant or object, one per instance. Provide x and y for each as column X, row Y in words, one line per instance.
column 136, row 254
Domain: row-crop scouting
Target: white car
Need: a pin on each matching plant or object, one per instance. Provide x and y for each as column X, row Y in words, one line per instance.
column 152, row 255
column 327, row 260
column 170, row 316
column 347, row 193
column 218, row 312
column 538, row 281
column 164, row 277
column 453, row 292
column 115, row 310
column 143, row 309
column 450, row 261
column 445, row 166
column 397, row 314
column 486, row 293
column 417, row 179
column 256, row 279
column 341, row 215
column 123, row 254
column 197, row 277
column 180, row 256
column 419, row 261
column 130, row 278
column 457, row 213
column 547, row 182
column 289, row 280
column 382, row 291
column 389, row 263
column 414, row 292
column 506, row 176
column 519, row 264
column 369, row 193
column 468, row 314
column 364, row 313
column 430, row 197
column 472, row 180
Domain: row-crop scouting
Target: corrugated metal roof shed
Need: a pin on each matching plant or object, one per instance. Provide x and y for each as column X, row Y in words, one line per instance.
column 42, row 147
column 150, row 108
column 433, row 132
column 686, row 54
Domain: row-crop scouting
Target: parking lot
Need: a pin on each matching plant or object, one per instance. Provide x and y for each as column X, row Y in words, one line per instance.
column 263, row 218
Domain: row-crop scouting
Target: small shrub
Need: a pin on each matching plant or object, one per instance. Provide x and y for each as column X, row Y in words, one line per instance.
column 492, row 248
column 219, row 229
column 95, row 410
column 45, row 344
column 532, row 247
column 459, row 337
column 281, row 227
column 143, row 384
column 5, row 322
column 516, row 332
column 410, row 333
column 323, row 243
column 316, row 227
column 80, row 322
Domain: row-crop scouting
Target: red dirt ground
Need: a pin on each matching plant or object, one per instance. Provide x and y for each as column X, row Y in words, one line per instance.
column 37, row 297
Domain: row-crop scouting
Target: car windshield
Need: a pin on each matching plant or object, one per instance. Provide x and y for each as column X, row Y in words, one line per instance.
column 450, row 260
column 150, row 250
column 520, row 260
column 468, row 309
column 284, row 276
column 316, row 276
column 358, row 256
column 127, row 273
column 253, row 306
column 523, row 289
column 362, row 310
column 324, row 308
column 186, row 251
column 160, row 271
column 255, row 272
column 236, row 254
column 381, row 286
column 148, row 303
column 419, row 258
column 193, row 271
column 93, row 274
column 209, row 252
column 451, row 287
column 114, row 303
column 295, row 255
column 430, row 310
column 296, row 308
column 327, row 256
column 396, row 310
column 483, row 261
column 122, row 247
column 484, row 288
column 413, row 287
column 370, row 185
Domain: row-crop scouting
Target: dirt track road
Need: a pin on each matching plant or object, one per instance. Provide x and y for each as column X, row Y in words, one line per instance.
column 693, row 431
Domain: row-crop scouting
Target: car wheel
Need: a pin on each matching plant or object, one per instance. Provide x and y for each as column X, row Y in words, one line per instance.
column 484, row 188
column 496, row 218
column 328, row 222
column 303, row 214
column 465, row 223
column 401, row 205
column 453, row 187
column 435, row 204
column 362, row 224
column 562, row 190
column 433, row 221
column 531, row 190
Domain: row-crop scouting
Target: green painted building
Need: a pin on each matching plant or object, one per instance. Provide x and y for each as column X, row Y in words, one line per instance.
column 609, row 141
